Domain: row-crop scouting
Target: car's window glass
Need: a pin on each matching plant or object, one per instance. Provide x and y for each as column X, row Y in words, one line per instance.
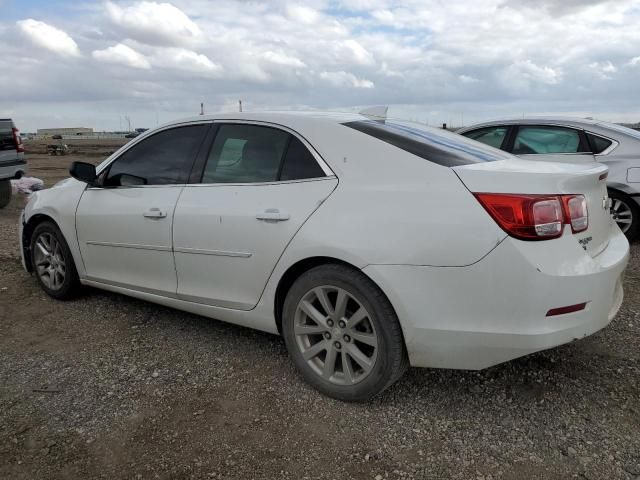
column 492, row 136
column 162, row 159
column 245, row 154
column 546, row 139
column 6, row 135
column 437, row 146
column 299, row 163
column 598, row 144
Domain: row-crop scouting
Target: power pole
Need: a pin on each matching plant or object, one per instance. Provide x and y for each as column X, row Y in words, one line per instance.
column 240, row 105
column 201, row 108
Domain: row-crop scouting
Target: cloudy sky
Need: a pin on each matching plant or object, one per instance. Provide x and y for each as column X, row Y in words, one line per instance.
column 90, row 63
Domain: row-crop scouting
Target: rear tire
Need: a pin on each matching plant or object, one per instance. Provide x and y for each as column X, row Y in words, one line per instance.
column 5, row 192
column 626, row 213
column 343, row 334
column 53, row 263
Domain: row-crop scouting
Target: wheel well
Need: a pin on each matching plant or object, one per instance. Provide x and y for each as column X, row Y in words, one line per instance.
column 292, row 274
column 27, row 231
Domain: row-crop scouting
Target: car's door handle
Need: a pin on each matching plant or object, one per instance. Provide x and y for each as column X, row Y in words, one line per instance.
column 154, row 213
column 273, row 215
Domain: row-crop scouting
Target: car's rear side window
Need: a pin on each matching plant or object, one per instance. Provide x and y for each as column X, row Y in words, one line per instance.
column 299, row 163
column 244, row 153
column 492, row 136
column 598, row 144
column 444, row 148
column 546, row 139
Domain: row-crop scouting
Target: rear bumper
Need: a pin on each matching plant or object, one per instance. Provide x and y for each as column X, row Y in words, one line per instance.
column 495, row 310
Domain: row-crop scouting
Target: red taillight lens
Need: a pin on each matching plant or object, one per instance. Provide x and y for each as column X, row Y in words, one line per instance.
column 528, row 217
column 576, row 209
column 17, row 140
column 536, row 217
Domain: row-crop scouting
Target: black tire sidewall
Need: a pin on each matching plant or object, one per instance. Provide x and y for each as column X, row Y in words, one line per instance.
column 634, row 229
column 390, row 350
column 71, row 282
column 5, row 192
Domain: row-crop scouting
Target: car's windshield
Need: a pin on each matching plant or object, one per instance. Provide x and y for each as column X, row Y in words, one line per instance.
column 438, row 146
column 619, row 128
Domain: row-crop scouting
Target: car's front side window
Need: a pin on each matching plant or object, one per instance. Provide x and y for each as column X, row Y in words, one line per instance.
column 492, row 136
column 253, row 154
column 164, row 158
column 546, row 140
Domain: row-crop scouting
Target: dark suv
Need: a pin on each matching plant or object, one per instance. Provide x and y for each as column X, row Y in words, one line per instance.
column 12, row 162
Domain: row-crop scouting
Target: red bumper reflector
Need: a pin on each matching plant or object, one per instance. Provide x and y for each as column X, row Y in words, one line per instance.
column 568, row 309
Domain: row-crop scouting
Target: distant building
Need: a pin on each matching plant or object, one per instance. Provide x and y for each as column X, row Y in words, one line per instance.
column 65, row 131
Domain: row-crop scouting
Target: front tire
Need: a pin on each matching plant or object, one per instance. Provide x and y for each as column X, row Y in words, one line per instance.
column 5, row 192
column 342, row 333
column 53, row 263
column 625, row 213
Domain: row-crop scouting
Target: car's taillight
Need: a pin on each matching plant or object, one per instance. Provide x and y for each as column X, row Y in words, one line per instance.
column 575, row 207
column 17, row 140
column 536, row 217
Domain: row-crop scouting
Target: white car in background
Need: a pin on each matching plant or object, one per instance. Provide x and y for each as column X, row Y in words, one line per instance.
column 559, row 139
column 369, row 245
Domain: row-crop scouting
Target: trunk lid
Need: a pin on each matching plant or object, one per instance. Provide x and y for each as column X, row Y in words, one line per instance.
column 516, row 176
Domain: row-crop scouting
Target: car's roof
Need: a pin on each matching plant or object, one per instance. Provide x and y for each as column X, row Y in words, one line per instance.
column 281, row 117
column 559, row 120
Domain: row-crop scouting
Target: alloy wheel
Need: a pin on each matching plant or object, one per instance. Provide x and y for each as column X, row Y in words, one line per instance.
column 622, row 214
column 335, row 335
column 49, row 261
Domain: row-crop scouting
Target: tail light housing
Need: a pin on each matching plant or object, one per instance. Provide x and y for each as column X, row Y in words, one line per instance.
column 536, row 217
column 17, row 140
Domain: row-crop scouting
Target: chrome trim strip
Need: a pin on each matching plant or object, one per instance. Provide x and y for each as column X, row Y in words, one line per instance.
column 130, row 245
column 220, row 253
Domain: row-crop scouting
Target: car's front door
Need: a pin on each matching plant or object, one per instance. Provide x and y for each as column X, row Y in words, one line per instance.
column 124, row 226
column 550, row 143
column 258, row 187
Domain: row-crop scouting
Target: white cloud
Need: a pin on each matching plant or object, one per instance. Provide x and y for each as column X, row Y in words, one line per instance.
column 123, row 55
column 356, row 53
column 280, row 58
column 154, row 23
column 49, row 37
column 635, row 61
column 302, row 14
column 184, row 60
column 345, row 79
column 467, row 79
column 603, row 70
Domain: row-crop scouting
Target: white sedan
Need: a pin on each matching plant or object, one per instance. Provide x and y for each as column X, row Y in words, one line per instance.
column 370, row 245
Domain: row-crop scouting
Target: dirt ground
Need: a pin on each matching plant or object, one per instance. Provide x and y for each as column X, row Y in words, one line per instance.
column 111, row 387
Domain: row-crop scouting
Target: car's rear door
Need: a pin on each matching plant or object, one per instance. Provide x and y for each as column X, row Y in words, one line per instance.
column 258, row 186
column 125, row 225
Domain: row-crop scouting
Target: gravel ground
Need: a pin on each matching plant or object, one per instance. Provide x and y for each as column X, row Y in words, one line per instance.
column 111, row 387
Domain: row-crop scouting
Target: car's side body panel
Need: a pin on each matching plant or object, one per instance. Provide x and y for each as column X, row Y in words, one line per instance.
column 225, row 243
column 120, row 245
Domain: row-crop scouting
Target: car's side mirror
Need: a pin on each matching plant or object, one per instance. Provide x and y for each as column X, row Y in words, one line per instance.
column 85, row 172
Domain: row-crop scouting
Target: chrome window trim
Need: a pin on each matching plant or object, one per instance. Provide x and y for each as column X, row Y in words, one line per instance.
column 261, row 184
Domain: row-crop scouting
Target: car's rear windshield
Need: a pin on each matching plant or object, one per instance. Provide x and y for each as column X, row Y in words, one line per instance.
column 437, row 146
